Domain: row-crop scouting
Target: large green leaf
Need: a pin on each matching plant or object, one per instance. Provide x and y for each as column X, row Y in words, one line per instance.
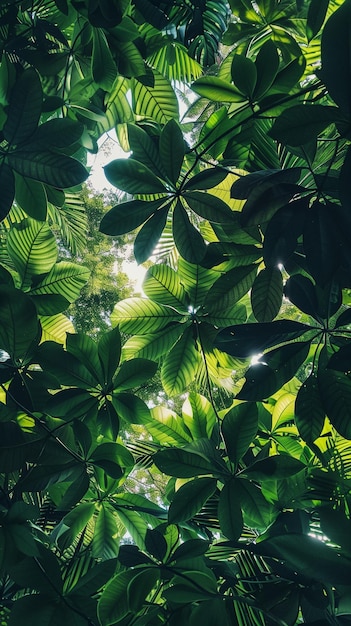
column 158, row 102
column 130, row 408
column 217, row 89
column 182, row 463
column 309, row 412
column 229, row 511
column 85, row 350
column 113, row 604
column 209, row 207
column 65, row 279
column 273, row 370
column 140, row 315
column 167, row 427
column 103, row 68
column 68, row 369
column 190, row 498
column 336, row 66
column 267, row 294
column 198, row 415
column 105, row 544
column 145, row 150
column 231, row 287
column 303, row 123
column 239, row 428
column 172, row 150
column 133, row 373
column 162, row 284
column 133, row 177
column 31, row 197
column 24, row 108
column 181, row 363
column 32, row 248
column 152, row 345
column 18, row 322
column 48, row 167
column 149, row 234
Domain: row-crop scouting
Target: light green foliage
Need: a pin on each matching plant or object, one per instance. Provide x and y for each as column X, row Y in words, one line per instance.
column 180, row 457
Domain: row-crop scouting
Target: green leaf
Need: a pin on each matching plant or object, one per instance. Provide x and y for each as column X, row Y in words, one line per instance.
column 172, row 150
column 267, row 65
column 335, row 394
column 67, row 368
column 336, row 64
column 133, row 177
column 273, row 370
column 309, row 412
column 133, row 373
column 32, row 248
column 105, row 543
column 130, row 408
column 316, row 15
column 24, row 108
column 149, row 235
column 113, row 604
column 206, row 179
column 180, row 365
column 187, row 238
column 267, row 294
column 158, row 102
column 182, row 464
column 140, row 315
column 229, row 511
column 145, row 150
column 198, row 415
column 109, row 351
column 209, row 207
column 7, row 183
column 152, row 345
column 162, row 284
column 103, row 67
column 140, row 586
column 65, row 279
column 321, row 243
column 217, row 89
column 239, row 428
column 167, row 427
column 72, row 524
column 231, row 287
column 189, row 499
column 47, row 167
column 244, row 75
column 257, row 512
column 275, row 467
column 58, row 133
column 246, row 340
column 31, row 197
column 302, row 123
column 301, row 292
column 85, row 350
column 18, row 322
column 301, row 553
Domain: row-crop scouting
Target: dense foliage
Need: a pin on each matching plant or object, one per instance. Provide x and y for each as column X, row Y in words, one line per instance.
column 242, row 211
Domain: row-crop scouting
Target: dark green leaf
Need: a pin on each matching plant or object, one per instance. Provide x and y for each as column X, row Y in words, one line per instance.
column 209, row 207
column 309, row 412
column 145, row 150
column 47, row 167
column 31, row 197
column 301, row 292
column 182, row 463
column 302, row 123
column 229, row 511
column 172, row 149
column 7, row 184
column 109, row 351
column 206, row 179
column 103, row 68
column 189, row 241
column 273, row 370
column 133, row 177
column 133, row 373
column 231, row 287
column 336, row 64
column 321, row 243
column 181, row 363
column 130, row 408
column 267, row 65
column 246, row 340
column 190, row 498
column 275, row 467
column 315, row 17
column 19, row 326
column 149, row 235
column 239, row 428
column 257, row 512
column 244, row 75
column 24, row 108
column 217, row 89
column 267, row 294
column 335, row 394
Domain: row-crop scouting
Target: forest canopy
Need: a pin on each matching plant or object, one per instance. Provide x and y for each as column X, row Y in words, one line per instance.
column 188, row 461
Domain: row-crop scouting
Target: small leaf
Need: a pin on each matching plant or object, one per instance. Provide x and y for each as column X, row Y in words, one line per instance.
column 301, row 292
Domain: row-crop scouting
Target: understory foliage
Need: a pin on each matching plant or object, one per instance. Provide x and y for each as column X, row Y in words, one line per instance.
column 242, row 215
